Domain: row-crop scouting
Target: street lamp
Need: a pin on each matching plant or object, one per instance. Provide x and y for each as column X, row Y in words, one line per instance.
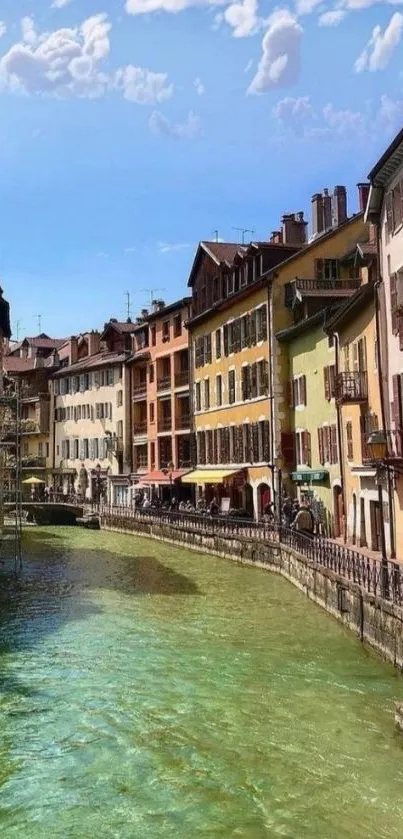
column 377, row 446
column 168, row 471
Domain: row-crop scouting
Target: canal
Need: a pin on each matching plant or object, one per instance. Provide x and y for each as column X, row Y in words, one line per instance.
column 151, row 692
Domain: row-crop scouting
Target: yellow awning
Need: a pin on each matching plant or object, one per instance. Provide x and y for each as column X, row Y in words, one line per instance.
column 209, row 476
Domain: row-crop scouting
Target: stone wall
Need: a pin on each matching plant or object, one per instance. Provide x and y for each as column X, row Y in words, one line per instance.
column 375, row 621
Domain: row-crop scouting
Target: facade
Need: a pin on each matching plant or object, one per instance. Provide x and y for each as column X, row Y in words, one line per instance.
column 159, row 374
column 312, row 372
column 91, row 429
column 230, row 371
column 323, row 274
column 360, row 415
column 31, row 362
column 385, row 211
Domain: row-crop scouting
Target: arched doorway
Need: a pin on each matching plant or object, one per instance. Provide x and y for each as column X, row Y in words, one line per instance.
column 338, row 511
column 248, row 496
column 263, row 497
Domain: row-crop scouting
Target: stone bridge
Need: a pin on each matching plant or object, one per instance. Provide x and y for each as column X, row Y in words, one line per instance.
column 46, row 512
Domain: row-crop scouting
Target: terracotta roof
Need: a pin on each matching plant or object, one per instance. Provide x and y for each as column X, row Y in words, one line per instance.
column 367, row 248
column 15, row 364
column 44, row 342
column 223, row 251
column 121, row 326
column 102, row 359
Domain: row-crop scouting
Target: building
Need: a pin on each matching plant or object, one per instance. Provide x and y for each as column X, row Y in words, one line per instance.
column 385, row 211
column 91, row 408
column 31, row 363
column 322, row 274
column 229, row 366
column 161, row 421
column 313, row 416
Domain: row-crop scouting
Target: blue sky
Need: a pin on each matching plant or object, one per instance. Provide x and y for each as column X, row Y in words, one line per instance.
column 130, row 130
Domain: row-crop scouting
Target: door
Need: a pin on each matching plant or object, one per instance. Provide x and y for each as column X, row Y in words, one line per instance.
column 375, row 525
column 338, row 511
column 363, row 526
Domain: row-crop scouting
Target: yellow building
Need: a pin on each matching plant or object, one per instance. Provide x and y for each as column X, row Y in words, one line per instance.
column 230, row 370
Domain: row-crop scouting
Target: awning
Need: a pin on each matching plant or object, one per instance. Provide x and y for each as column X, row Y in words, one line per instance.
column 209, row 476
column 159, row 477
column 309, row 477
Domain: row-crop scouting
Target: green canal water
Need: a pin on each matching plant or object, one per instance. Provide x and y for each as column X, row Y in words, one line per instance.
column 148, row 692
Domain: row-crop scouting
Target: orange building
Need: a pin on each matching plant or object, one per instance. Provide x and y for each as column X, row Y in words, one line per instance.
column 161, row 420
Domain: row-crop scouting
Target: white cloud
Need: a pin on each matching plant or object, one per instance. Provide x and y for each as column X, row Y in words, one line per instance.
column 128, row 251
column 143, row 86
column 143, row 7
column 248, row 66
column 3, row 28
column 69, row 62
column 340, row 120
column 243, row 18
column 179, row 130
column 356, row 5
column 305, row 7
column 332, row 18
column 390, row 113
column 166, row 247
column 380, row 47
column 60, row 4
column 280, row 61
column 293, row 113
column 199, row 87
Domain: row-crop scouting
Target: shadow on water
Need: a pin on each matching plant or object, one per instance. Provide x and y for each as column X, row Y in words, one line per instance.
column 55, row 587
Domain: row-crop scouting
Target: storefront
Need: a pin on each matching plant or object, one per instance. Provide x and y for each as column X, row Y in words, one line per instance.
column 313, row 488
column 165, row 485
column 228, row 486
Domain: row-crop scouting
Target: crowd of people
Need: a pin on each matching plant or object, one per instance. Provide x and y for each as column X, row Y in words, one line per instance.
column 294, row 515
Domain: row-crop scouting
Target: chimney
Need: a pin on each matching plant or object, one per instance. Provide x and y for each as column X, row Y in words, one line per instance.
column 155, row 305
column 144, row 313
column 339, row 205
column 73, row 349
column 161, row 305
column 327, row 210
column 363, row 192
column 276, row 237
column 317, row 215
column 94, row 342
column 294, row 229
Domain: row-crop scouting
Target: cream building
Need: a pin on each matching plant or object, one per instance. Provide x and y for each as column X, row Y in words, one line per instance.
column 91, row 411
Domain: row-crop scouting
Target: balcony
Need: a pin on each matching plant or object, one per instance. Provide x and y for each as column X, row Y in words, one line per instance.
column 182, row 378
column 140, row 390
column 140, row 427
column 30, row 394
column 32, row 462
column 164, row 383
column 351, row 387
column 165, row 424
column 29, row 426
column 142, row 462
column 183, row 422
column 299, row 288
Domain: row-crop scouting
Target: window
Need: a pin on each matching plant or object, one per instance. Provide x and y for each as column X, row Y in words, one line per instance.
column 326, row 269
column 153, row 335
column 329, row 375
column 198, row 396
column 95, row 448
column 207, row 349
column 76, row 448
column 231, row 387
column 152, row 455
column 327, row 442
column 119, row 429
column 263, row 377
column 206, row 394
column 177, row 326
column 346, row 358
column 299, row 391
column 218, row 343
column 119, row 398
column 349, row 438
column 218, row 389
column 151, row 373
column 152, row 412
column 47, row 449
column 303, row 448
column 86, row 449
column 165, row 331
column 261, row 323
column 40, row 449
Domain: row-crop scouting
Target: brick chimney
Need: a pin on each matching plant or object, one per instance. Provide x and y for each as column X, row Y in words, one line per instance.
column 294, row 229
column 144, row 313
column 318, row 221
column 363, row 192
column 276, row 237
column 94, row 342
column 73, row 349
column 327, row 210
column 339, row 205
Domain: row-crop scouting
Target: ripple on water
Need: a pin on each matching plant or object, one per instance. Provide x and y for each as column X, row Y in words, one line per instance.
column 153, row 692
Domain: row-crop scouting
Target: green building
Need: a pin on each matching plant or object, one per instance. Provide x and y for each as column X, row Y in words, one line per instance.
column 313, row 418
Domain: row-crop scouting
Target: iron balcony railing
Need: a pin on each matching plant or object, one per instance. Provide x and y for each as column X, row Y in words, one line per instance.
column 164, row 383
column 183, row 421
column 383, row 578
column 142, row 462
column 140, row 390
column 314, row 286
column 31, row 462
column 140, row 427
column 165, row 424
column 182, row 378
column 352, row 387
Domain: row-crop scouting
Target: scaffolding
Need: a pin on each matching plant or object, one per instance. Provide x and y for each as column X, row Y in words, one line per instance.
column 10, row 473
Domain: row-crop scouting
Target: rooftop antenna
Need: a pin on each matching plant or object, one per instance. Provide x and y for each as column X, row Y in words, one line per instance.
column 151, row 292
column 39, row 321
column 128, row 306
column 216, row 237
column 244, row 230
column 17, row 329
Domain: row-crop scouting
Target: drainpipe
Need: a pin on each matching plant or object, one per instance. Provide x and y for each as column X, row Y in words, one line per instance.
column 340, row 441
column 271, row 386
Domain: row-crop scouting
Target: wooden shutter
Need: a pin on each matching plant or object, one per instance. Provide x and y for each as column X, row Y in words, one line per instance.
column 397, row 401
column 245, row 382
column 225, row 332
column 333, row 437
column 303, row 390
column 393, row 301
column 237, row 334
column 288, row 447
column 266, row 441
column 263, row 323
column 320, row 445
column 253, row 380
column 255, row 442
column 253, row 328
column 332, row 381
column 295, row 392
column 290, row 393
column 389, row 212
column 349, row 437
column 327, row 382
column 247, row 331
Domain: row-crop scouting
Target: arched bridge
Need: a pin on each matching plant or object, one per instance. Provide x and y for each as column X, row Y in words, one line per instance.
column 47, row 512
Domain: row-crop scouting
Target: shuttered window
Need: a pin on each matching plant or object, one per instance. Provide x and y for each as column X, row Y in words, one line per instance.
column 231, row 387
column 393, row 302
column 263, row 377
column 253, row 381
column 397, row 401
column 218, row 343
column 349, row 439
column 333, row 445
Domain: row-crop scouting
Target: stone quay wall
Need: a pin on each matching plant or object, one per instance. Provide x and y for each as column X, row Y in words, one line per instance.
column 375, row 621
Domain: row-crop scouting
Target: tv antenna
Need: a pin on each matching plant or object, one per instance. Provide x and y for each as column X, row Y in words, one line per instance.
column 17, row 330
column 151, row 292
column 39, row 322
column 244, row 230
column 128, row 305
column 216, row 236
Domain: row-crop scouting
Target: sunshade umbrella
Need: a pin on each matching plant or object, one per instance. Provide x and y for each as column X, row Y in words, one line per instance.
column 33, row 481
